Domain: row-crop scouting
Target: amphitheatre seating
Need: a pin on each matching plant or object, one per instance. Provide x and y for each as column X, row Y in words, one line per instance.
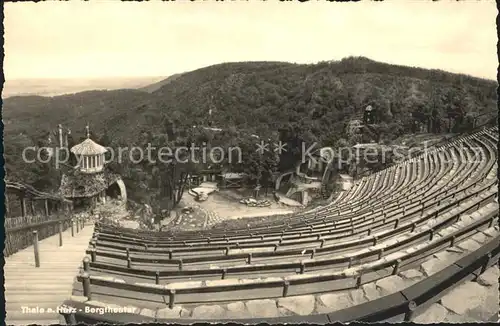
column 436, row 212
column 317, row 215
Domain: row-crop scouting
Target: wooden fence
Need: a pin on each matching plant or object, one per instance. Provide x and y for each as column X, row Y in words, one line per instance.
column 28, row 210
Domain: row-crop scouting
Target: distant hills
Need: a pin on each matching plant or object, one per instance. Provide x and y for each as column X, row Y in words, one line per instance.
column 311, row 102
column 55, row 87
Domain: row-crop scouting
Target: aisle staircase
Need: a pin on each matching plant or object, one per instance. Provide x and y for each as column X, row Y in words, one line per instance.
column 34, row 295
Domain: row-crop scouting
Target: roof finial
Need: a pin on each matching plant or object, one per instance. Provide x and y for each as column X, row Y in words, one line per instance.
column 87, row 128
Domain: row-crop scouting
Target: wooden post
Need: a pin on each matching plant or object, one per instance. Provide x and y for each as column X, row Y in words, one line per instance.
column 46, row 202
column 86, row 286
column 157, row 277
column 486, row 263
column 358, row 282
column 35, row 248
column 70, row 319
column 60, row 234
column 171, row 299
column 77, row 225
column 286, row 285
column 412, row 306
column 86, row 264
column 395, row 271
column 72, row 227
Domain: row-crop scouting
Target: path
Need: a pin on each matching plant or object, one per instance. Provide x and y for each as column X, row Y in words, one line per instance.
column 45, row 287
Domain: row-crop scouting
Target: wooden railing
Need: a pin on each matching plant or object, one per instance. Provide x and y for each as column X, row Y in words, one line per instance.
column 32, row 215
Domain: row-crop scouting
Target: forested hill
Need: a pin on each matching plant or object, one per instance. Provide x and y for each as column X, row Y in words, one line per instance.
column 312, row 101
column 317, row 98
column 262, row 96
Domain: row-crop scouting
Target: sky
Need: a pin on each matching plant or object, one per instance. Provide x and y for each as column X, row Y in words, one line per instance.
column 95, row 39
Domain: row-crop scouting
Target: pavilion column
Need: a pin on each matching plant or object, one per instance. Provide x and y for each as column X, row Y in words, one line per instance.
column 32, row 204
column 23, row 206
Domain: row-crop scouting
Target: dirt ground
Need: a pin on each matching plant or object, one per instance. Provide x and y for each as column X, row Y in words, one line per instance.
column 224, row 205
column 221, row 206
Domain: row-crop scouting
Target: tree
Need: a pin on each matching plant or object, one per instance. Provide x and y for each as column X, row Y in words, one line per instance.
column 172, row 181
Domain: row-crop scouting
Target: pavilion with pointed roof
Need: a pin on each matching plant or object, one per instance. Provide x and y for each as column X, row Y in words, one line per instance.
column 89, row 183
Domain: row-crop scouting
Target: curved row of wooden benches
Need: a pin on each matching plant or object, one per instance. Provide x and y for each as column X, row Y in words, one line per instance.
column 300, row 232
column 303, row 218
column 396, row 307
column 387, row 223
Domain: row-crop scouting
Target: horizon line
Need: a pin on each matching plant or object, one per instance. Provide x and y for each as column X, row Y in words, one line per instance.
column 248, row 61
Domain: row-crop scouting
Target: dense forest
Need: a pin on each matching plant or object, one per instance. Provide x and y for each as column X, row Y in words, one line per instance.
column 274, row 100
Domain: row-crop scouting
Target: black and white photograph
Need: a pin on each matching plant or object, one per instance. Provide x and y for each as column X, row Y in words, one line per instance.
column 250, row 161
